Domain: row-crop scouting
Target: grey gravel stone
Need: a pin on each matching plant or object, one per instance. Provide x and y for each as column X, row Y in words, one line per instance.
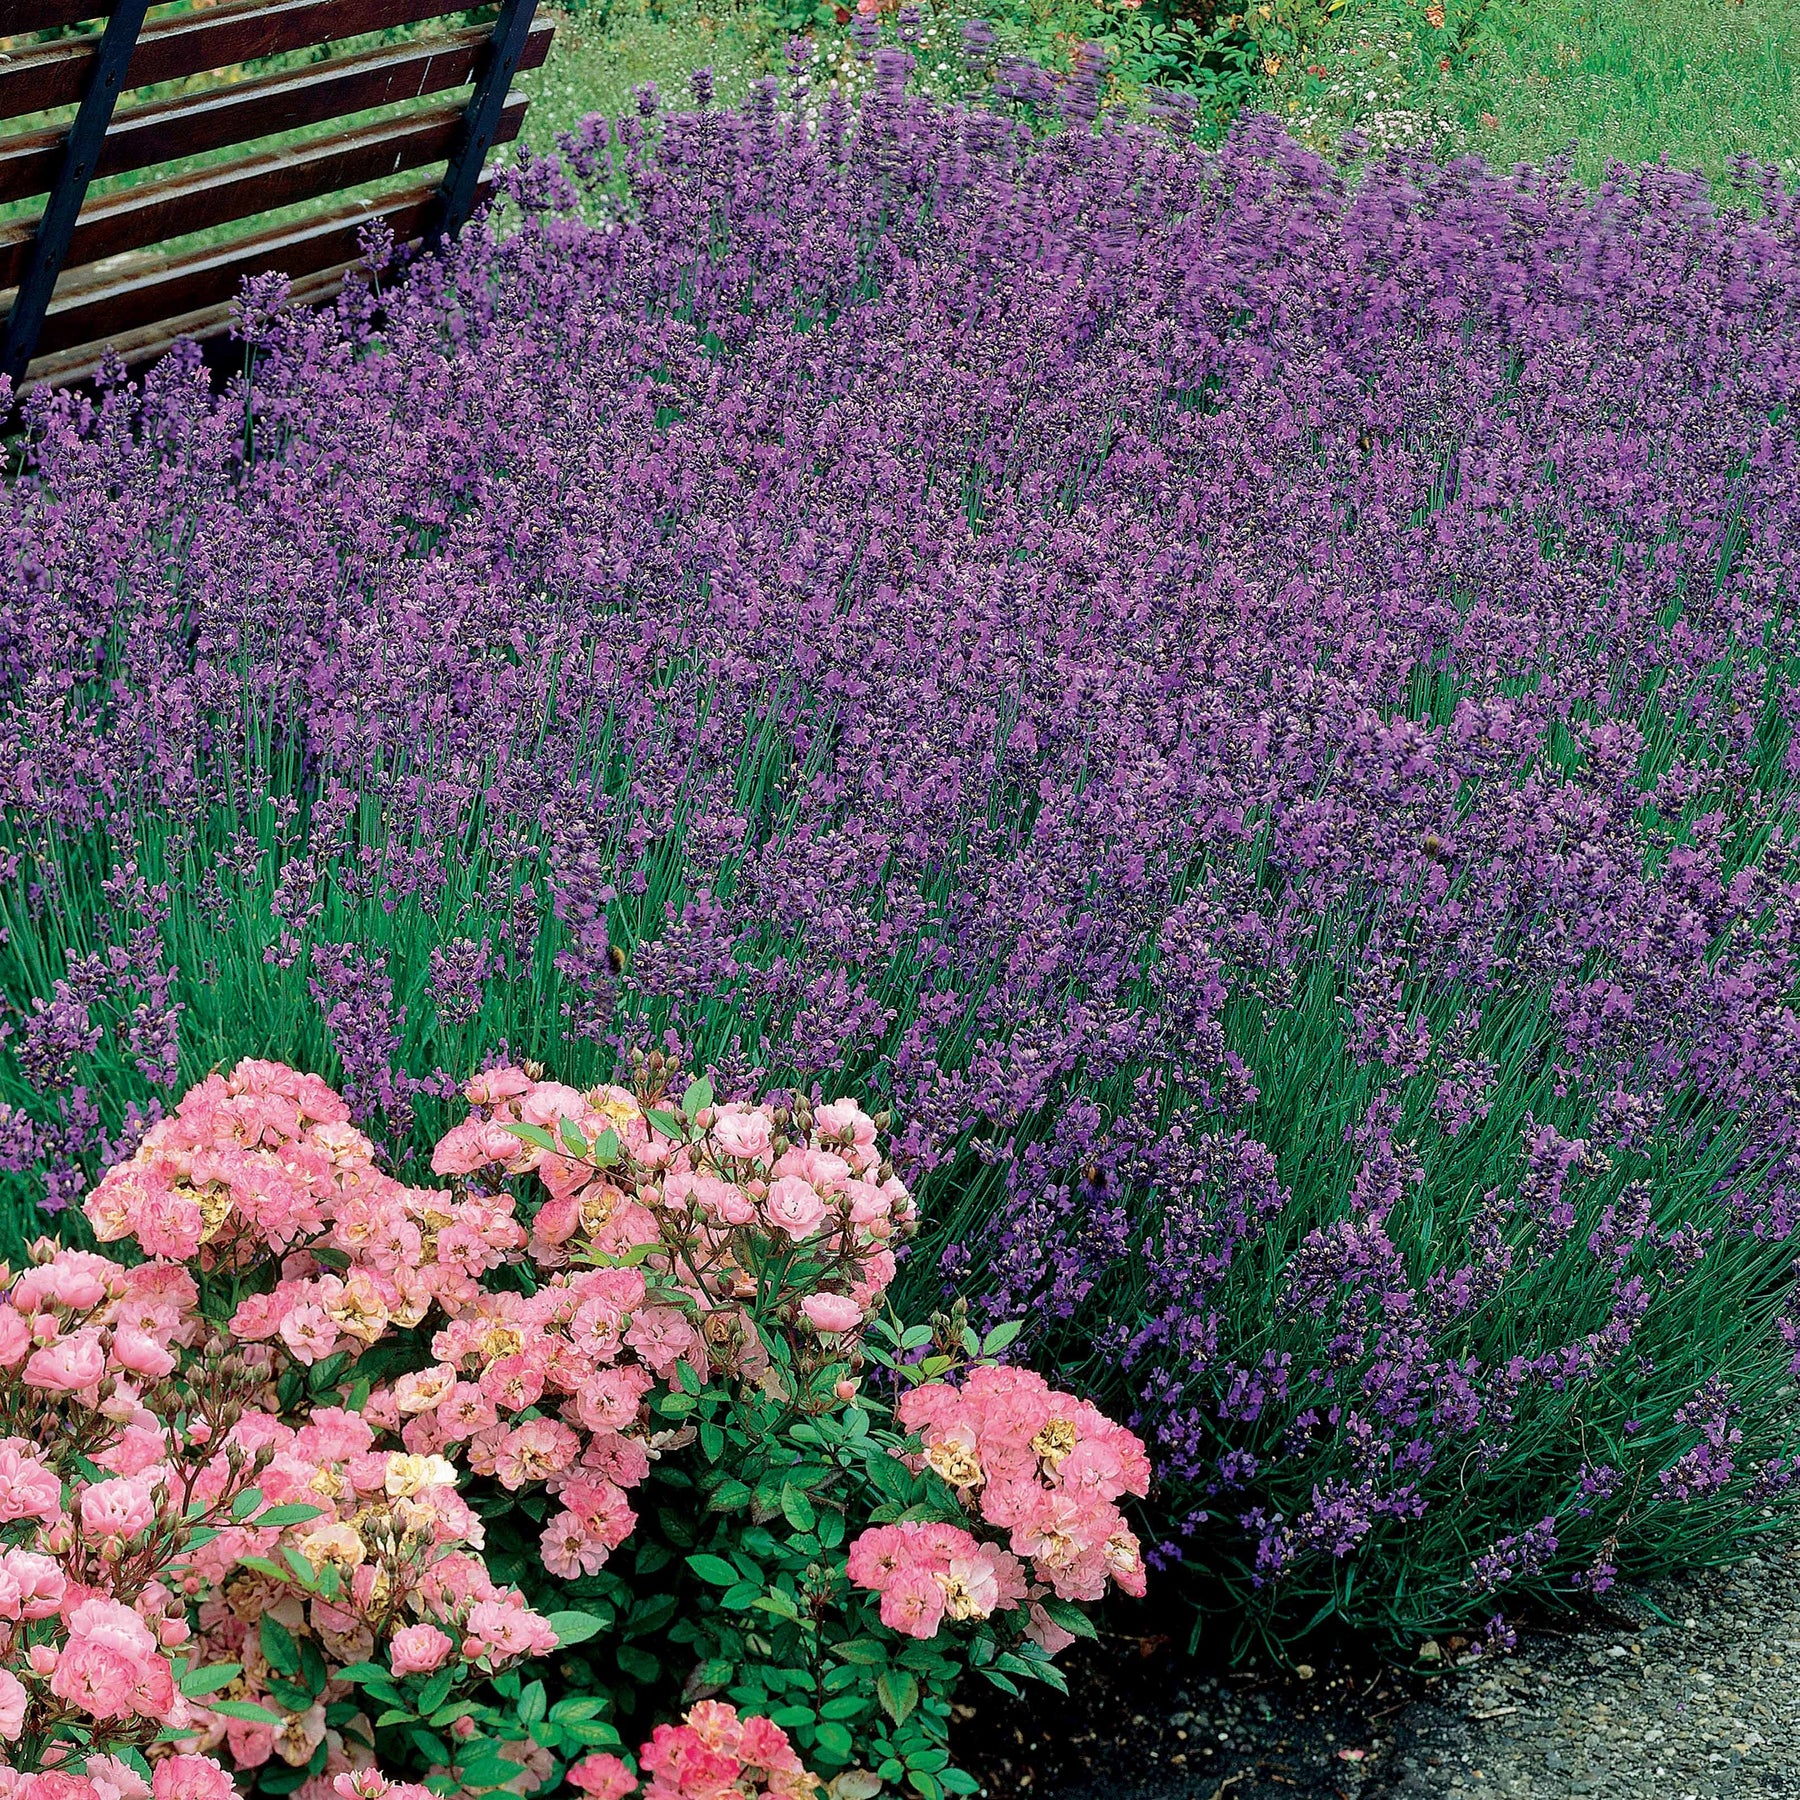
column 1691, row 1694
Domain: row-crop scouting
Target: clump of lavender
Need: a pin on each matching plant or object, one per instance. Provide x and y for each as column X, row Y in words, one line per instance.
column 1253, row 708
column 355, row 996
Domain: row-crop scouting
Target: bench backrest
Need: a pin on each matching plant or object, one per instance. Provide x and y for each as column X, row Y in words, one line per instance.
column 416, row 111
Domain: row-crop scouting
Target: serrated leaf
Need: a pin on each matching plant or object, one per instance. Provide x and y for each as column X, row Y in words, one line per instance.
column 1001, row 1336
column 279, row 1650
column 899, row 1694
column 199, row 1682
column 532, row 1134
column 668, row 1123
column 698, row 1097
column 247, row 1710
column 714, row 1569
column 1070, row 1617
column 573, row 1137
column 437, row 1690
column 606, row 1147
column 573, row 1628
column 797, row 1509
column 294, row 1512
column 246, row 1503
column 362, row 1671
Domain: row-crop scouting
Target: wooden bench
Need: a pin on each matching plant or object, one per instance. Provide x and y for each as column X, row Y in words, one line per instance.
column 87, row 274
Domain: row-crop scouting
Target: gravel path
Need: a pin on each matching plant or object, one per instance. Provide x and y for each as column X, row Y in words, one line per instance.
column 1689, row 1693
column 1704, row 1707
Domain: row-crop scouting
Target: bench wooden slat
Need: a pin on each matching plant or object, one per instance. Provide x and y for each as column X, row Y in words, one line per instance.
column 149, row 342
column 161, row 130
column 98, row 304
column 18, row 18
column 49, row 75
column 178, row 204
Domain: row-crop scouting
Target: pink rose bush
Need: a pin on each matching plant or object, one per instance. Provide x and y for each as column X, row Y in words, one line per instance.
column 247, row 1483
column 117, row 1408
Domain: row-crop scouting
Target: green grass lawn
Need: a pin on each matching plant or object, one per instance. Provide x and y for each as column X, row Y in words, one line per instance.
column 596, row 66
column 1697, row 81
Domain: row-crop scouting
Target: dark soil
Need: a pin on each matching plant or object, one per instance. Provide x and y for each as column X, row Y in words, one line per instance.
column 1143, row 1721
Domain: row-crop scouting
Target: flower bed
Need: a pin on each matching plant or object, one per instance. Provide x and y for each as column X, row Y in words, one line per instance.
column 1250, row 710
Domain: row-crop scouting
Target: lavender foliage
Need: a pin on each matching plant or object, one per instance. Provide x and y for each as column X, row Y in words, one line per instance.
column 1253, row 705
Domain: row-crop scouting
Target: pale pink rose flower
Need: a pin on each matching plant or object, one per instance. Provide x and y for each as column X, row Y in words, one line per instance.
column 67, row 1366
column 746, row 1133
column 912, row 1603
column 13, row 1698
column 190, row 1778
column 419, row 1649
column 794, row 1207
column 831, row 1312
column 496, row 1084
column 118, row 1509
column 139, row 1352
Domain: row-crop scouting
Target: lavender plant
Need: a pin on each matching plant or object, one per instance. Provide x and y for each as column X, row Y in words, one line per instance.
column 1249, row 705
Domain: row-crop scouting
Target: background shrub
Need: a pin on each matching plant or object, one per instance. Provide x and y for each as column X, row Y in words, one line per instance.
column 1252, row 710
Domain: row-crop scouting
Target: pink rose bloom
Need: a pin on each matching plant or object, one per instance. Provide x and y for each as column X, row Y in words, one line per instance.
column 930, row 1403
column 547, row 1101
column 794, row 1207
column 831, row 1312
column 557, row 1220
column 54, row 1784
column 15, row 1338
column 309, row 1333
column 596, row 1327
column 496, row 1084
column 534, row 1451
column 1125, row 1562
column 837, row 1117
column 77, row 1279
column 1092, row 1467
column 419, row 1649
column 977, row 1584
column 743, row 1131
column 609, row 1400
column 463, row 1149
column 603, row 1777
column 663, row 1337
column 139, row 1352
column 190, row 1778
column 169, row 1225
column 1011, row 1501
column 115, row 1780
column 762, row 1744
column 12, row 1705
column 875, row 1556
column 500, row 1630
column 40, row 1580
column 912, row 1603
column 28, row 1490
column 118, row 1509
column 98, row 1679
column 878, row 1270
column 67, row 1366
